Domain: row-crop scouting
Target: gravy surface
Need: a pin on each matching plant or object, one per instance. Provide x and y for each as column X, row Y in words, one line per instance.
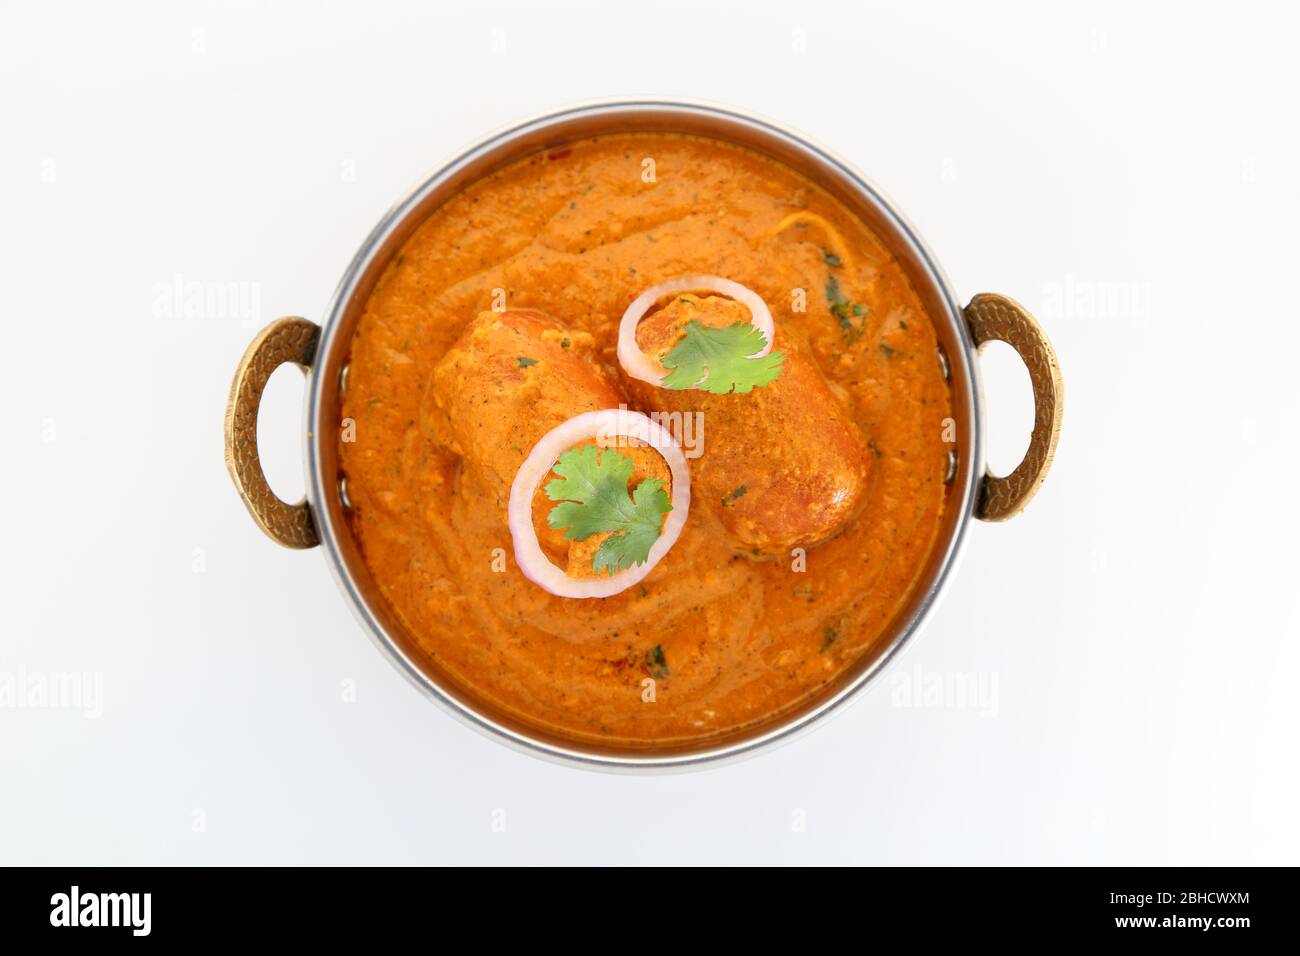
column 729, row 636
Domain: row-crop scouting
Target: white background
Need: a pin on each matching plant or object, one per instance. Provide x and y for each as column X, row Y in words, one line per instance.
column 1128, row 173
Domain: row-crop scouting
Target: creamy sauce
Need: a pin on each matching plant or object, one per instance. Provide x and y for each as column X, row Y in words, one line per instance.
column 730, row 634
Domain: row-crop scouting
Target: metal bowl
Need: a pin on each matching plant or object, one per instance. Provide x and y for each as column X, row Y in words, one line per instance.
column 323, row 352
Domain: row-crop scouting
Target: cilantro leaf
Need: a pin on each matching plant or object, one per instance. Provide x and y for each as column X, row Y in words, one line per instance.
column 731, row 496
column 593, row 498
column 723, row 355
column 656, row 663
column 844, row 311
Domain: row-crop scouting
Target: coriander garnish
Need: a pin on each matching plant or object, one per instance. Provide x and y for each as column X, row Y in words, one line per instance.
column 656, row 663
column 844, row 311
column 593, row 498
column 718, row 360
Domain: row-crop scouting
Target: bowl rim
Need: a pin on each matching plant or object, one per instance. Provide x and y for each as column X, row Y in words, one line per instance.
column 319, row 486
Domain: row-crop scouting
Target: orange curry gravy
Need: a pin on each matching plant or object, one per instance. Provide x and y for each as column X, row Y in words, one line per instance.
column 731, row 635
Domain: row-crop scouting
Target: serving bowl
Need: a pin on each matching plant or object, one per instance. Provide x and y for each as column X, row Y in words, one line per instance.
column 323, row 353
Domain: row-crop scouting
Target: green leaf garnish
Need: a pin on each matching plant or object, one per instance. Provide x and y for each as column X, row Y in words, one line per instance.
column 656, row 663
column 731, row 496
column 844, row 311
column 593, row 498
column 723, row 354
column 830, row 636
column 525, row 361
column 831, row 259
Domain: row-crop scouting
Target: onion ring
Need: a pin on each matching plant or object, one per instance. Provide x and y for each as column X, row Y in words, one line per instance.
column 641, row 366
column 532, row 561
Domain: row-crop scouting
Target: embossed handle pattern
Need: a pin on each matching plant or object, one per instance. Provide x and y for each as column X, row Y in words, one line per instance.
column 290, row 339
column 996, row 318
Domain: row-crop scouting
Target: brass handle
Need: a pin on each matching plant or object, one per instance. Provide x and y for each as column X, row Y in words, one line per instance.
column 290, row 339
column 996, row 318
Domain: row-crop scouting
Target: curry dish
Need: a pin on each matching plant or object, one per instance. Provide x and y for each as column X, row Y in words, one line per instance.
column 751, row 560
